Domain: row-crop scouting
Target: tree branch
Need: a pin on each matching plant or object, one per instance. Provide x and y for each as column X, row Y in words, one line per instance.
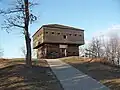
column 10, row 11
column 13, row 23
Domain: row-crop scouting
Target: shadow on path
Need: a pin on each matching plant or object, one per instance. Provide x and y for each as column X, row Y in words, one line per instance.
column 73, row 79
column 108, row 75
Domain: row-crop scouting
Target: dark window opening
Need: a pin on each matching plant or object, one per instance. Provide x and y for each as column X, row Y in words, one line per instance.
column 52, row 32
column 58, row 33
column 46, row 32
column 64, row 36
column 70, row 34
column 75, row 34
column 80, row 35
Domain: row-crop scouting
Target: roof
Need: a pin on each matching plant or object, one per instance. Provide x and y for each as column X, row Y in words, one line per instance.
column 59, row 26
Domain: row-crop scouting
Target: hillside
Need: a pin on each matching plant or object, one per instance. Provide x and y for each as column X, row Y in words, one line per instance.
column 106, row 74
column 15, row 75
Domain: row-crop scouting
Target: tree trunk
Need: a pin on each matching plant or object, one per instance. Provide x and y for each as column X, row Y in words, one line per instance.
column 27, row 36
column 28, row 47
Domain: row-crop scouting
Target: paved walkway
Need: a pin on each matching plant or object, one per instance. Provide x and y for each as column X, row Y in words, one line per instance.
column 71, row 78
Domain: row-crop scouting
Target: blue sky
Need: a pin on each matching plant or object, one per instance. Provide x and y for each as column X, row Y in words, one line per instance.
column 92, row 15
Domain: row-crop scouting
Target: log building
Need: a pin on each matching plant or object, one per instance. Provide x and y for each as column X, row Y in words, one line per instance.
column 54, row 41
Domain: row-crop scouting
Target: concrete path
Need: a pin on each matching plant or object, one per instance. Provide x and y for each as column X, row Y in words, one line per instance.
column 72, row 79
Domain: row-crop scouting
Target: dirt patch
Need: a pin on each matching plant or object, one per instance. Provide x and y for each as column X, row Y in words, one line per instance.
column 106, row 74
column 15, row 75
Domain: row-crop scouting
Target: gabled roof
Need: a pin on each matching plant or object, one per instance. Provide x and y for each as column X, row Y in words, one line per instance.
column 59, row 26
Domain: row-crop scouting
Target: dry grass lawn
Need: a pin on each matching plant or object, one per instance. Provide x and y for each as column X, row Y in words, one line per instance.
column 106, row 74
column 15, row 75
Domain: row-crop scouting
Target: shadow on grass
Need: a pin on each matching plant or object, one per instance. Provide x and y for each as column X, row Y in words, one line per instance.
column 19, row 76
column 108, row 75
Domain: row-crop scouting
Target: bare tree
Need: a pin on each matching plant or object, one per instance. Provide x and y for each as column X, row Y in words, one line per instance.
column 95, row 48
column 81, row 51
column 112, row 48
column 118, row 53
column 23, row 51
column 34, row 53
column 20, row 16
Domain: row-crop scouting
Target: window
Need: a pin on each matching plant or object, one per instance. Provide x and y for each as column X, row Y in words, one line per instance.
column 70, row 34
column 64, row 36
column 75, row 34
column 73, row 52
column 52, row 32
column 46, row 32
column 80, row 35
column 58, row 33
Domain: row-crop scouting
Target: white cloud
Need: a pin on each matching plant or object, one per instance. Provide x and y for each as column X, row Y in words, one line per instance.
column 105, row 33
column 113, row 30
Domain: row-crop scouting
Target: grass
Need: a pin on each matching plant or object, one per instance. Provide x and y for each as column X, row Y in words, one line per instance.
column 106, row 74
column 15, row 75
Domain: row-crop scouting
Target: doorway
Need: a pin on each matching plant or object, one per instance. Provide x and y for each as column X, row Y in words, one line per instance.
column 63, row 52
